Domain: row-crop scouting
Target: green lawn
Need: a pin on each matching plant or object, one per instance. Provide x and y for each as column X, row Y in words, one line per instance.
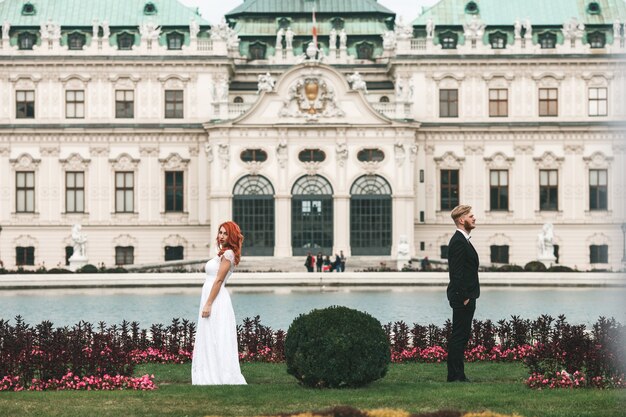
column 412, row 387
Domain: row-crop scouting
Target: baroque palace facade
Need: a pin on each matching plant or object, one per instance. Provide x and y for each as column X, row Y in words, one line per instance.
column 148, row 126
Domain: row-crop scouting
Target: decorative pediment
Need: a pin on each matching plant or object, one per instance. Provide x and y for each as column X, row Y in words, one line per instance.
column 74, row 162
column 174, row 162
column 548, row 160
column 311, row 93
column 25, row 241
column 449, row 160
column 499, row 161
column 499, row 239
column 124, row 240
column 598, row 239
column 598, row 160
column 124, row 162
column 175, row 240
column 25, row 162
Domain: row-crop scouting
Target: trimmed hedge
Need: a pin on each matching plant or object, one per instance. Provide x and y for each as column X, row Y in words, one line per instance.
column 336, row 347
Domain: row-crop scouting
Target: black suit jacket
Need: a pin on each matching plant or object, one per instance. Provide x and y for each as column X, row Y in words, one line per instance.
column 463, row 270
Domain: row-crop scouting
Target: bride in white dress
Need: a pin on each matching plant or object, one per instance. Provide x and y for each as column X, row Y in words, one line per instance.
column 215, row 358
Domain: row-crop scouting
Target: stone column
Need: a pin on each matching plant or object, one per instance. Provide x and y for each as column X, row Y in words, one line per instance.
column 341, row 216
column 282, row 230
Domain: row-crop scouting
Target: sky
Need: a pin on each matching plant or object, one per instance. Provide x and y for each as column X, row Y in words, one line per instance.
column 213, row 10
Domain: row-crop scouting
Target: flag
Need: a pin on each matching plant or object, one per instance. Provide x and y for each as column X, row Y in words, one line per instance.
column 314, row 29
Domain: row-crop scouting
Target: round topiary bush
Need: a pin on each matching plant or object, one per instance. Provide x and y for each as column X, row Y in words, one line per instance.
column 88, row 269
column 510, row 268
column 336, row 347
column 560, row 268
column 535, row 266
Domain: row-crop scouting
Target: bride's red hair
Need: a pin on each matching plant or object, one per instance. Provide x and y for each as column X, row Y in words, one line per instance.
column 233, row 241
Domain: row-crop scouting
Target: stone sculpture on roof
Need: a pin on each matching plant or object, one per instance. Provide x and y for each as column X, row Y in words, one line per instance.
column 474, row 29
column 357, row 83
column 265, row 83
column 194, row 28
column 289, row 38
column 6, row 28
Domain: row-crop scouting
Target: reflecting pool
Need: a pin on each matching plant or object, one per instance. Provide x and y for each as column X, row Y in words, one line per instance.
column 277, row 307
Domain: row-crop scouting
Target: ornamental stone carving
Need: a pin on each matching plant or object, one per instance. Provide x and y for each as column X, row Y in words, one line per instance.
column 311, row 98
column 174, row 162
column 342, row 153
column 223, row 151
column 474, row 29
column 124, row 162
column 357, row 83
column 74, row 162
column 265, row 83
column 25, row 162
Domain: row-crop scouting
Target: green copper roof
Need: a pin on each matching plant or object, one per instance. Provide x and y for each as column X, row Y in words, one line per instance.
column 539, row 12
column 304, row 27
column 290, row 7
column 83, row 12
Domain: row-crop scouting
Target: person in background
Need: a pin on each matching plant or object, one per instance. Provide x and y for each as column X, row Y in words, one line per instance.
column 337, row 263
column 309, row 262
column 425, row 264
column 319, row 261
column 327, row 267
column 343, row 261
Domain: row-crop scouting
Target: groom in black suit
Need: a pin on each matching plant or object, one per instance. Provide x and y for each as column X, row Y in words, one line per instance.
column 463, row 289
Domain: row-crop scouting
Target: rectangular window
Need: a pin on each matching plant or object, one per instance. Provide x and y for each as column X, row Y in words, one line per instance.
column 174, row 104
column 548, row 189
column 124, row 255
column 124, row 104
column 498, row 102
column 75, row 104
column 449, row 103
column 598, row 186
column 598, row 102
column 548, row 102
column 24, row 255
column 25, row 104
column 25, row 192
column 174, row 191
column 174, row 253
column 124, row 192
column 499, row 254
column 449, row 188
column 599, row 254
column 69, row 251
column 443, row 251
column 499, row 189
column 75, row 192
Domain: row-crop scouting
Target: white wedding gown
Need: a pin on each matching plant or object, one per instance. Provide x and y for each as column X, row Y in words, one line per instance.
column 215, row 358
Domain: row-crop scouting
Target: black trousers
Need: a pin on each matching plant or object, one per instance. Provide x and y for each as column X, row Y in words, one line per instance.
column 461, row 329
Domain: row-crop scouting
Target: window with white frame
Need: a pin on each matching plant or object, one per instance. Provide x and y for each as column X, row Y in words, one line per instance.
column 25, row 192
column 598, row 101
column 75, row 104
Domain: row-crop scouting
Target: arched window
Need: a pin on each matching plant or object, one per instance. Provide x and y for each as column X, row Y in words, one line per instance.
column 596, row 39
column 253, row 211
column 497, row 40
column 257, row 51
column 76, row 41
column 26, row 40
column 384, row 99
column 547, row 40
column 125, row 41
column 448, row 40
column 312, row 155
column 370, row 216
column 312, row 216
column 337, row 23
column 370, row 155
column 238, row 100
column 253, row 155
column 175, row 41
column 365, row 50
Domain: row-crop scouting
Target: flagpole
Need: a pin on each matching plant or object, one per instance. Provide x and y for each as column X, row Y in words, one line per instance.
column 314, row 28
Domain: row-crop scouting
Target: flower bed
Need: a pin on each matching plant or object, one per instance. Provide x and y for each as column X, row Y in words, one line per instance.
column 556, row 353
